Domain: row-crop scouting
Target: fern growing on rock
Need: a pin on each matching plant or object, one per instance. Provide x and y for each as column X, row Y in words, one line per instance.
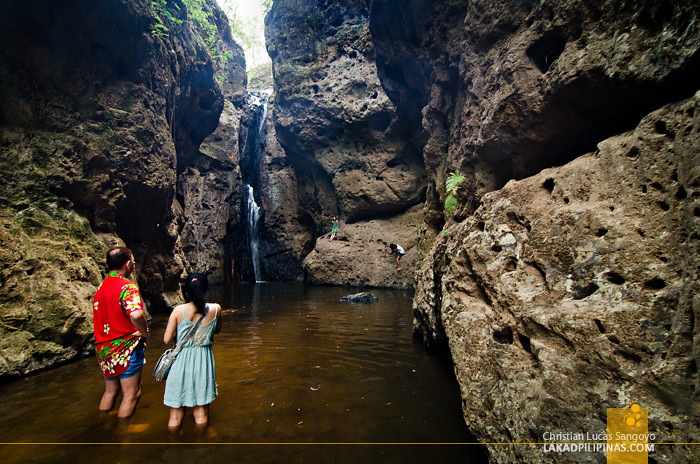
column 451, row 186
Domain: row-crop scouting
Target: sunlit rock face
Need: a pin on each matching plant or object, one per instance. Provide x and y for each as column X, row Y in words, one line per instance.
column 360, row 254
column 351, row 150
column 98, row 115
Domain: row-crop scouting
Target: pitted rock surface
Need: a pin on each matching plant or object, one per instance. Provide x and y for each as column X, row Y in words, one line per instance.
column 575, row 290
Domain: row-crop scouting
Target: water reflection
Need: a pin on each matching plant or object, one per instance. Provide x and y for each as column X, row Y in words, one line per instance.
column 295, row 368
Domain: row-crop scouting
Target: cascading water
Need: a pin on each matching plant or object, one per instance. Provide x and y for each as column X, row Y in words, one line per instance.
column 251, row 168
column 253, row 215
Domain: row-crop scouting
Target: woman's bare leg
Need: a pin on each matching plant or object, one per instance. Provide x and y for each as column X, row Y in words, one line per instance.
column 201, row 414
column 176, row 417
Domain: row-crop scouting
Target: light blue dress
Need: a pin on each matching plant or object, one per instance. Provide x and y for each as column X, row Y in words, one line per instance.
column 192, row 377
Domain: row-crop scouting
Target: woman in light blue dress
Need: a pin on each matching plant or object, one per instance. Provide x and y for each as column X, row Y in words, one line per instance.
column 191, row 382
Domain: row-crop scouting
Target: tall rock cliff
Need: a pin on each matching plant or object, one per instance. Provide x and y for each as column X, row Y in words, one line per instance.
column 100, row 111
column 287, row 235
column 353, row 153
column 209, row 184
column 574, row 291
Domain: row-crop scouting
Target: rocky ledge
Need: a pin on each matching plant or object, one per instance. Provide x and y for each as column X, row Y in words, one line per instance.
column 359, row 256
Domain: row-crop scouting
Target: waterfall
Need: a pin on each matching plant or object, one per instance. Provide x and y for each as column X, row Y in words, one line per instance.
column 253, row 215
column 263, row 116
column 251, row 169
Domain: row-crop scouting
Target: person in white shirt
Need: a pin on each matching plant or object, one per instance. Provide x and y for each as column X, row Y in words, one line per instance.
column 399, row 252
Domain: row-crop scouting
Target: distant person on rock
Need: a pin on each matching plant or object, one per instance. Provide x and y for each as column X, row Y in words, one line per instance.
column 191, row 382
column 399, row 252
column 334, row 229
column 121, row 330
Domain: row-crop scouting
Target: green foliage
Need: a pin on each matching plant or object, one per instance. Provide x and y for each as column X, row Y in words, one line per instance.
column 246, row 31
column 164, row 18
column 451, row 186
column 450, row 203
column 204, row 25
column 201, row 20
column 453, row 181
column 266, row 6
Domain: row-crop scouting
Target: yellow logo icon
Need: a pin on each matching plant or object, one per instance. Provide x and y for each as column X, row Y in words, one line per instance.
column 634, row 415
column 628, row 435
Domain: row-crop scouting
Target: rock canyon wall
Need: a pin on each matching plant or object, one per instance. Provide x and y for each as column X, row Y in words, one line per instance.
column 575, row 290
column 355, row 155
column 608, row 316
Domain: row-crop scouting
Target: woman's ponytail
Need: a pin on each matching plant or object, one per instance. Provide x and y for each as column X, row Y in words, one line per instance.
column 195, row 289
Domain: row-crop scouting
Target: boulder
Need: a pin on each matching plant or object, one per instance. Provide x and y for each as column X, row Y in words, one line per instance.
column 576, row 290
column 360, row 298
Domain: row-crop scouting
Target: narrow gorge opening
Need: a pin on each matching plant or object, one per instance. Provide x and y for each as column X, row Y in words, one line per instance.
column 253, row 145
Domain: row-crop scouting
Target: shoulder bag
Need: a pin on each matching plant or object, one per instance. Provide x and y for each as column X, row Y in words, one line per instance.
column 162, row 367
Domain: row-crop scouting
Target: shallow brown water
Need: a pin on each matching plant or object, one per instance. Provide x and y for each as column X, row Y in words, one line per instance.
column 301, row 376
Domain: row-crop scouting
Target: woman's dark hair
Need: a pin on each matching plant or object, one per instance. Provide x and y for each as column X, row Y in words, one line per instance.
column 392, row 246
column 194, row 289
column 116, row 257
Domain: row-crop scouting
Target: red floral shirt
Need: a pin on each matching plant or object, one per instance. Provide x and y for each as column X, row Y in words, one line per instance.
column 115, row 299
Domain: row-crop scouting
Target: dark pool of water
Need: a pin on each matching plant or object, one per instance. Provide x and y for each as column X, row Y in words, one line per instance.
column 301, row 376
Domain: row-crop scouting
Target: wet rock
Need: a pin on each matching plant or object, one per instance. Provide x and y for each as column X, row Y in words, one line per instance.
column 211, row 188
column 286, row 237
column 360, row 298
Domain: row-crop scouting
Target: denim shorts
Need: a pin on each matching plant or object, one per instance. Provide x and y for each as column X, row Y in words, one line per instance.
column 136, row 362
